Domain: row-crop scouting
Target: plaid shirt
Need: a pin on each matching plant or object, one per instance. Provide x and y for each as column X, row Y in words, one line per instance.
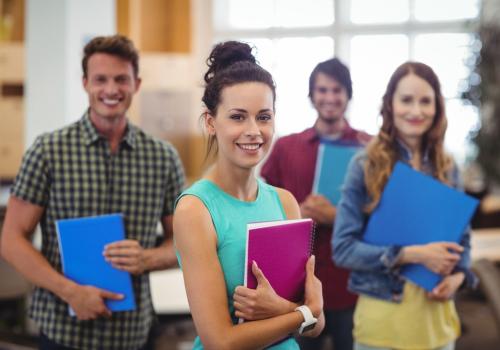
column 72, row 173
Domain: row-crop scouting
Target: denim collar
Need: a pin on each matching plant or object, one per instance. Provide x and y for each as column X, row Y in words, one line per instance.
column 406, row 155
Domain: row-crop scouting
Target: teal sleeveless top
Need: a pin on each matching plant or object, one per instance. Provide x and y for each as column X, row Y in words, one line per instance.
column 230, row 217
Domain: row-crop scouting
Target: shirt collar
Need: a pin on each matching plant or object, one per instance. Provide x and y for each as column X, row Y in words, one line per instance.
column 312, row 134
column 91, row 135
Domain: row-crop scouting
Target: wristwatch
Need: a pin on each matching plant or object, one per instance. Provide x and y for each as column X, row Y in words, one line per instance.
column 309, row 319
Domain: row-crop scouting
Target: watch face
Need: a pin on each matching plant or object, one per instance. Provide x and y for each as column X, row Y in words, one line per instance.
column 309, row 327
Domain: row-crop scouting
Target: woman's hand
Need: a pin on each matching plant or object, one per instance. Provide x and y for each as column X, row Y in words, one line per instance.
column 447, row 288
column 313, row 290
column 439, row 257
column 262, row 302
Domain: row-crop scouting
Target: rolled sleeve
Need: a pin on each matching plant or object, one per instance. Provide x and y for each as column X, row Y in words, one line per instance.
column 32, row 183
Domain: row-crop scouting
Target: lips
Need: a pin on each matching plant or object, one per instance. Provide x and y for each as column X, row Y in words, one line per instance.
column 415, row 121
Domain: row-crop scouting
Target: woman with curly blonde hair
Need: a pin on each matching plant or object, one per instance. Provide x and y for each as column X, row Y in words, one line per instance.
column 393, row 313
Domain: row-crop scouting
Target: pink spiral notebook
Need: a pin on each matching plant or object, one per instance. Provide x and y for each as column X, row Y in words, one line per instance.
column 281, row 250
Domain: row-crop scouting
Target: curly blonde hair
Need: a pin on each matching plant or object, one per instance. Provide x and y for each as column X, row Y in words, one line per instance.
column 382, row 150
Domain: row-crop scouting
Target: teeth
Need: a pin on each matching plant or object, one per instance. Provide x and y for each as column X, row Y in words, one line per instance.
column 250, row 147
column 110, row 101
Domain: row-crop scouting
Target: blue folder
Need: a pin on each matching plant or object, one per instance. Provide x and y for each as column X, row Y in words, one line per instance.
column 417, row 209
column 81, row 243
column 331, row 167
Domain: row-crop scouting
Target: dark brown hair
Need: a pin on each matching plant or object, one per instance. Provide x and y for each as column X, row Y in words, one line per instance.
column 116, row 45
column 335, row 69
column 231, row 63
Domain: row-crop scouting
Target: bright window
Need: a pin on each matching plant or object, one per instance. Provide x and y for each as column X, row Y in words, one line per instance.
column 379, row 11
column 372, row 37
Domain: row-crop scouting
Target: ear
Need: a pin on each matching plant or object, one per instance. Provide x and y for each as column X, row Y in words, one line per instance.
column 209, row 122
column 85, row 82
column 138, row 82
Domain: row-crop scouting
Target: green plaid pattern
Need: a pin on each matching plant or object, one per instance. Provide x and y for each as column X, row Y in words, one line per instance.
column 72, row 173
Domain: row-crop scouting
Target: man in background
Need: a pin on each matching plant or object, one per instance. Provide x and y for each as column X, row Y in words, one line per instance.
column 98, row 165
column 291, row 165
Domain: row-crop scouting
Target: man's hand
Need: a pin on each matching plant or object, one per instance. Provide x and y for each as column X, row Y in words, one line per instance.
column 127, row 255
column 88, row 301
column 260, row 303
column 447, row 288
column 318, row 208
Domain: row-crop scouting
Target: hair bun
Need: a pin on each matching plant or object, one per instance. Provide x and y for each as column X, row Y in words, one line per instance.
column 226, row 54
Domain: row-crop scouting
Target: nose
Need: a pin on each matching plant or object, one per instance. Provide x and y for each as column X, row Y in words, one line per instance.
column 111, row 87
column 330, row 96
column 252, row 129
column 416, row 109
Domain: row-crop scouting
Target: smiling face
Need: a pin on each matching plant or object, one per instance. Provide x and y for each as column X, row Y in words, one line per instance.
column 110, row 85
column 329, row 98
column 244, row 124
column 414, row 108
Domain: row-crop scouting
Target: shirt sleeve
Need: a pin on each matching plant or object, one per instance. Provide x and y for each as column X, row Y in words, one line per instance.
column 32, row 183
column 349, row 249
column 175, row 181
column 271, row 171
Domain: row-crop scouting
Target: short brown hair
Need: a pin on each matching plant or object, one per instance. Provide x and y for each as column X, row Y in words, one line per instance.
column 116, row 45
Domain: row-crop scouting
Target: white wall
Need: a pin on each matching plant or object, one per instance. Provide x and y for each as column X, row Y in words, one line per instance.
column 56, row 31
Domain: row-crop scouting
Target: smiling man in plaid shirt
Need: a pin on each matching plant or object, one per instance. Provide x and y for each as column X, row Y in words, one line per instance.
column 101, row 164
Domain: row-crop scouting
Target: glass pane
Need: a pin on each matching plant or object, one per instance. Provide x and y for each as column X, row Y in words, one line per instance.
column 462, row 119
column 379, row 11
column 446, row 54
column 304, row 13
column 443, row 10
column 263, row 50
column 294, row 61
column 250, row 14
column 291, row 68
column 371, row 68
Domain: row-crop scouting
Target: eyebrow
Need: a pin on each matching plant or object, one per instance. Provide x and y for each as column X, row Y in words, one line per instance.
column 245, row 111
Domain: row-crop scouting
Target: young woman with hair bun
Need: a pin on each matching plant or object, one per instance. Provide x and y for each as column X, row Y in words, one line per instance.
column 211, row 216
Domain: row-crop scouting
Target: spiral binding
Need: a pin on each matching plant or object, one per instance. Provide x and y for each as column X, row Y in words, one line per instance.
column 313, row 238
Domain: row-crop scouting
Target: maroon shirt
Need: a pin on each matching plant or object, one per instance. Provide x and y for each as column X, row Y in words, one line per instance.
column 291, row 165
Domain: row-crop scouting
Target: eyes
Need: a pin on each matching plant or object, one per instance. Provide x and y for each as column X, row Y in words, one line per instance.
column 120, row 79
column 426, row 101
column 262, row 117
column 323, row 90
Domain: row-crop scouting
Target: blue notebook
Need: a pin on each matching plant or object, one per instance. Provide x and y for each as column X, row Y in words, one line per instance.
column 331, row 167
column 81, row 243
column 417, row 209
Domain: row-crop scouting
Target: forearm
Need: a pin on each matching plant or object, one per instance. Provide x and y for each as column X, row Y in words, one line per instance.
column 410, row 255
column 161, row 257
column 255, row 334
column 21, row 254
column 354, row 254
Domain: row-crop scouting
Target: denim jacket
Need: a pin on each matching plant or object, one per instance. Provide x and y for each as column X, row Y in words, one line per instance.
column 374, row 270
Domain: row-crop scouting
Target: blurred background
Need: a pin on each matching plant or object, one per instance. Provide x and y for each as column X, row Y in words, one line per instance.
column 40, row 91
